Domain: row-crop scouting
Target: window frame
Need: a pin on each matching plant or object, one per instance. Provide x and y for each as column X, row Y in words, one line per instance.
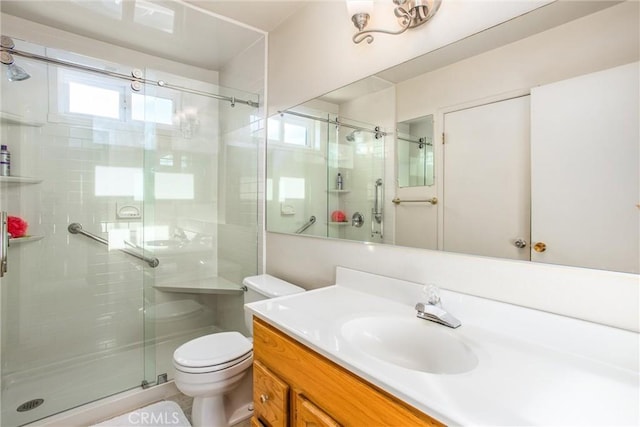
column 308, row 124
column 60, row 103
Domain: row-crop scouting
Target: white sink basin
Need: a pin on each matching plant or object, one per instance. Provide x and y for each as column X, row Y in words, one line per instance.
column 411, row 343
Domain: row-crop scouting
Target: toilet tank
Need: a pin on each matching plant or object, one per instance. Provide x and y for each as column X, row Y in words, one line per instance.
column 265, row 286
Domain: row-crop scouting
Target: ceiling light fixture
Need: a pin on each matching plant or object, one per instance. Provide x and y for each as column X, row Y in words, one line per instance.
column 410, row 14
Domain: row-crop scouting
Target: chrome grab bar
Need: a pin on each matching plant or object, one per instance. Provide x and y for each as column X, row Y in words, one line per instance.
column 431, row 201
column 76, row 228
column 377, row 209
column 306, row 225
column 4, row 242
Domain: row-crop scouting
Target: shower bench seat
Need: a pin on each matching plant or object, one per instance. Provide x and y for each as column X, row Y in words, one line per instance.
column 210, row 285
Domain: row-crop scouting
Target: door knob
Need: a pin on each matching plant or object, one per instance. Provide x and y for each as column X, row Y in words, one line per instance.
column 520, row 243
column 540, row 247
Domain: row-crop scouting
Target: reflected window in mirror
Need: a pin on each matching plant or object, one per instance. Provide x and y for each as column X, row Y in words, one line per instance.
column 414, row 142
column 292, row 131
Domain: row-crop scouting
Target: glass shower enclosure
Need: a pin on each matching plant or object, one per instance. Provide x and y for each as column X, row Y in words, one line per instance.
column 133, row 213
column 325, row 176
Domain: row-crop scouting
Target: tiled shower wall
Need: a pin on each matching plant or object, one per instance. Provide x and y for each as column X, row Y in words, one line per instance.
column 71, row 299
column 58, row 282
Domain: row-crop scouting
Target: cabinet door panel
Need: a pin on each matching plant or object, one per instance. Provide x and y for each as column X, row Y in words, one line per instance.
column 309, row 415
column 270, row 397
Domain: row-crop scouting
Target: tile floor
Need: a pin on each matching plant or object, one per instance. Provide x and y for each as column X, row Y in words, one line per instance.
column 185, row 403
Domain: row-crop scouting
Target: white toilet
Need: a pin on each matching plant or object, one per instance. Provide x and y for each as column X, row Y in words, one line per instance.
column 216, row 369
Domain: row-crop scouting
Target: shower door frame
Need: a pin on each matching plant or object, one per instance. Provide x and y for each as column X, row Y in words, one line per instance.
column 137, row 81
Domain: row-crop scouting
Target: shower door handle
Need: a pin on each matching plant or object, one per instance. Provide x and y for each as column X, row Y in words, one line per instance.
column 4, row 242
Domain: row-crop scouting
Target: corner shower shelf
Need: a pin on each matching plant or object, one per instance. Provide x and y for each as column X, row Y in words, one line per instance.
column 211, row 285
column 339, row 223
column 339, row 191
column 25, row 239
column 20, row 180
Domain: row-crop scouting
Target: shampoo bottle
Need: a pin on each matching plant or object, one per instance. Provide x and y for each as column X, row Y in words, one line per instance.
column 5, row 161
column 339, row 182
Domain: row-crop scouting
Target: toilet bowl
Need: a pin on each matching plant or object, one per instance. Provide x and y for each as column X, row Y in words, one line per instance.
column 216, row 370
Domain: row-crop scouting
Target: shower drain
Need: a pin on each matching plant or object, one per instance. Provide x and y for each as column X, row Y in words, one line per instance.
column 32, row 404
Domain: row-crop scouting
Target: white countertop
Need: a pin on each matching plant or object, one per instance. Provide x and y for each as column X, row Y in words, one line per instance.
column 534, row 368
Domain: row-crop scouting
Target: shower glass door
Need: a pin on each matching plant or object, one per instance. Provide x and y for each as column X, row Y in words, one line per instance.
column 307, row 151
column 355, row 150
column 72, row 307
column 142, row 208
column 200, row 211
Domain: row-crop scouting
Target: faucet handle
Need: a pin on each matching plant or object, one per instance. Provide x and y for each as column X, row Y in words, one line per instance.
column 432, row 294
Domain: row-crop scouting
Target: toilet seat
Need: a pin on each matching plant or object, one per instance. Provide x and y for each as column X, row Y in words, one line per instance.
column 211, row 353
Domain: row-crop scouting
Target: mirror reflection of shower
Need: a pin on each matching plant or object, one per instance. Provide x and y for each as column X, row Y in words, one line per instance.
column 352, row 136
column 14, row 72
column 415, row 153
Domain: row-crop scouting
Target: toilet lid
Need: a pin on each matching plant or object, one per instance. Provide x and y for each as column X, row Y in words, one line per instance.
column 211, row 350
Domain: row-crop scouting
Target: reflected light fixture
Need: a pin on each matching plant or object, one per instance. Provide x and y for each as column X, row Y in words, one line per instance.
column 410, row 14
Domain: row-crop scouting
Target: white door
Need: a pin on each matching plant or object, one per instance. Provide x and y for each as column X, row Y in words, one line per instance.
column 486, row 198
column 585, row 173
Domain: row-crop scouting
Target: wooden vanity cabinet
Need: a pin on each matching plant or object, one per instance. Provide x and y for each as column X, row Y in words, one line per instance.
column 270, row 397
column 295, row 386
column 306, row 414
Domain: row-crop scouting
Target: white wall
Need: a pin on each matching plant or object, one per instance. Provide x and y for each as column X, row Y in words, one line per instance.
column 599, row 296
column 575, row 292
column 312, row 53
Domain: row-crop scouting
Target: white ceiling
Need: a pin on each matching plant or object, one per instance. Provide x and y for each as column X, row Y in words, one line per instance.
column 167, row 29
column 265, row 15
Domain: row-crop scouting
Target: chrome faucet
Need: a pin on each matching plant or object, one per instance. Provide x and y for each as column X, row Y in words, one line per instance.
column 432, row 310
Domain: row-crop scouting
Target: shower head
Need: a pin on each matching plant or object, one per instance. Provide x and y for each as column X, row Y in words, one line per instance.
column 352, row 136
column 16, row 73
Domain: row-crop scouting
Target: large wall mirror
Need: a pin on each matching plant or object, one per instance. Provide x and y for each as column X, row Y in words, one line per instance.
column 521, row 142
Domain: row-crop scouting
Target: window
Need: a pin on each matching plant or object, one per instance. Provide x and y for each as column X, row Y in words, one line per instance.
column 174, row 186
column 291, row 188
column 121, row 181
column 82, row 96
column 94, row 100
column 290, row 130
column 152, row 109
column 118, row 181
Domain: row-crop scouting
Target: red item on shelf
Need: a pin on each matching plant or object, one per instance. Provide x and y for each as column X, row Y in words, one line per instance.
column 338, row 216
column 16, row 226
